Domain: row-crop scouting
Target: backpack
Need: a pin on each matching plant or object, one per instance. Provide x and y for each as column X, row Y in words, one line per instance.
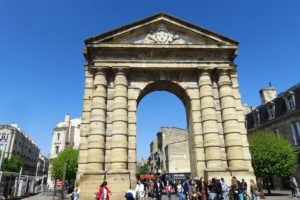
column 128, row 195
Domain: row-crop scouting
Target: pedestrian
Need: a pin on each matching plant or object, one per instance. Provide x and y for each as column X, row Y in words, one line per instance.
column 224, row 189
column 104, row 191
column 186, row 188
column 213, row 190
column 296, row 189
column 169, row 190
column 158, row 187
column 244, row 187
column 234, row 189
column 76, row 191
column 260, row 188
column 140, row 190
column 254, row 190
column 193, row 190
column 179, row 190
column 202, row 187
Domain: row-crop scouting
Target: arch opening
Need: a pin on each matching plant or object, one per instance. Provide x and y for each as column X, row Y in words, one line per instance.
column 173, row 138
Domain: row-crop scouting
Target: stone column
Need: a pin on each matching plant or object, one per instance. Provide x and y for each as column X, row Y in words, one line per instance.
column 85, row 122
column 132, row 105
column 241, row 118
column 96, row 137
column 119, row 143
column 233, row 142
column 209, row 121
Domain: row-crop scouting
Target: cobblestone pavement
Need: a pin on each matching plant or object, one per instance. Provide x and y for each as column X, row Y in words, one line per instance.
column 276, row 195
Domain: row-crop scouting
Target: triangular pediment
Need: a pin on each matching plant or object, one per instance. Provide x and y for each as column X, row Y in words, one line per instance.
column 161, row 29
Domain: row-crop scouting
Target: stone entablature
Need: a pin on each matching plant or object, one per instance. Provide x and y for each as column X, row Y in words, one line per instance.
column 120, row 72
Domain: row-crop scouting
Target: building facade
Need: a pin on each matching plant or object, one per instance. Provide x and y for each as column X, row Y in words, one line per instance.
column 279, row 114
column 14, row 142
column 65, row 135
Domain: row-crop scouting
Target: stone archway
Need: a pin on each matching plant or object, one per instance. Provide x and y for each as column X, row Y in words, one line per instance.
column 160, row 53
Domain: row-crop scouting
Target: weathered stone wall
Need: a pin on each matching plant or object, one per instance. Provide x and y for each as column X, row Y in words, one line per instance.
column 178, row 157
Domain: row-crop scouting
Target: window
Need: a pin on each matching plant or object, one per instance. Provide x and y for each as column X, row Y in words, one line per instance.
column 56, row 149
column 58, row 136
column 296, row 132
column 290, row 101
column 256, row 118
column 271, row 110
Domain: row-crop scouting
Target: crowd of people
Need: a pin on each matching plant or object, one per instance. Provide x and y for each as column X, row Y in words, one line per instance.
column 213, row 189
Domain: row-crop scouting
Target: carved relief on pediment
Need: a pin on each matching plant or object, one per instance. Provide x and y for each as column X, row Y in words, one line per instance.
column 162, row 36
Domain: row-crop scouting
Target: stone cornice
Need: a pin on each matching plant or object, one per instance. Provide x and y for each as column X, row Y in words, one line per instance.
column 162, row 46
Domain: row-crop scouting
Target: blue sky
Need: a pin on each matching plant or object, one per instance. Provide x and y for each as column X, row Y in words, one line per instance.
column 41, row 62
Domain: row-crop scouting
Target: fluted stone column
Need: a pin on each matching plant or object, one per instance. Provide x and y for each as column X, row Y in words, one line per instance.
column 85, row 122
column 209, row 122
column 241, row 118
column 195, row 128
column 132, row 105
column 96, row 137
column 233, row 142
column 119, row 143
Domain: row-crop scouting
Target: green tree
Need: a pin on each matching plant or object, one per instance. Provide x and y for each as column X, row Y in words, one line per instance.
column 271, row 156
column 12, row 164
column 143, row 169
column 68, row 157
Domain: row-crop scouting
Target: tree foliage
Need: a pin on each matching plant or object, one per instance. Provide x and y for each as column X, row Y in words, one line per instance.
column 68, row 157
column 12, row 164
column 143, row 169
column 271, row 156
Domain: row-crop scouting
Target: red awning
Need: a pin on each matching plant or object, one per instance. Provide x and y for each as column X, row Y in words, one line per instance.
column 142, row 177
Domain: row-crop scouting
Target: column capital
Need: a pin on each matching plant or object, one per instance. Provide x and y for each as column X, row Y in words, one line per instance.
column 101, row 70
column 121, row 70
column 204, row 71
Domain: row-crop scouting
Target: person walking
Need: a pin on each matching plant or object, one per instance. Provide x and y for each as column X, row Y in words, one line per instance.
column 169, row 190
column 158, row 187
column 179, row 190
column 193, row 190
column 234, row 189
column 202, row 187
column 224, row 189
column 254, row 190
column 213, row 190
column 260, row 188
column 104, row 191
column 186, row 188
column 76, row 191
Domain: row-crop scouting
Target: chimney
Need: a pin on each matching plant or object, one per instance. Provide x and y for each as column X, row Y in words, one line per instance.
column 267, row 94
column 67, row 117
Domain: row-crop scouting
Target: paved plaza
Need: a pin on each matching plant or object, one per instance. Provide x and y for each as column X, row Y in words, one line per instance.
column 276, row 195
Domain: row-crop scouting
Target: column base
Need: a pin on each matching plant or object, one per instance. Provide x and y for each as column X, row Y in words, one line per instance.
column 117, row 182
